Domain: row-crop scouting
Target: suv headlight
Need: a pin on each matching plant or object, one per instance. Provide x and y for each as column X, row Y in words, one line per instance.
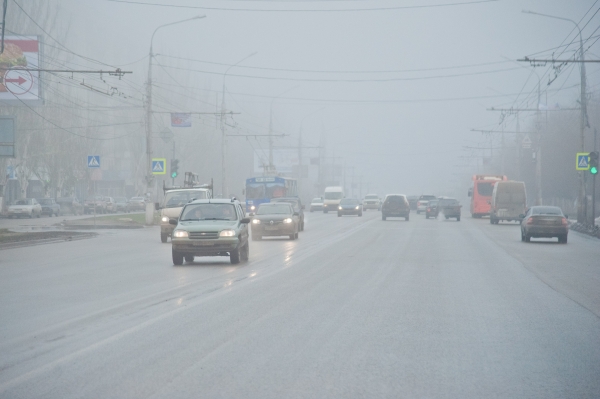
column 252, row 208
column 180, row 234
column 356, row 207
column 227, row 233
column 255, row 221
column 340, row 208
column 165, row 219
column 287, row 220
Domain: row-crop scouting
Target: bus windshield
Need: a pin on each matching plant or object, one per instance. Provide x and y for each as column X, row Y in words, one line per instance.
column 333, row 195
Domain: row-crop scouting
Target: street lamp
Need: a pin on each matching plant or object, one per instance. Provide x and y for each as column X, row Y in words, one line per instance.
column 223, row 137
column 149, row 99
column 581, row 203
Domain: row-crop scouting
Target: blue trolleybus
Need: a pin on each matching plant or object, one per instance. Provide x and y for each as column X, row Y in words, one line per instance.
column 262, row 189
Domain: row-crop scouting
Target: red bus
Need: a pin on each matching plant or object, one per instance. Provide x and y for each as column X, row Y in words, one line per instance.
column 481, row 193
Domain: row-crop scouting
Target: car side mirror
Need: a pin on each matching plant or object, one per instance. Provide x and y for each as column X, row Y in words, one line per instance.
column 296, row 213
column 173, row 221
column 521, row 216
column 245, row 221
column 157, row 206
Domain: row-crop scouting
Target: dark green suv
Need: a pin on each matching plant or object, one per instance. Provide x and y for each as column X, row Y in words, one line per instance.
column 210, row 227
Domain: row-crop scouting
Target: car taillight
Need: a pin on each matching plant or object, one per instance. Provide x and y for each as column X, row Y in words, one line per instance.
column 564, row 221
column 530, row 221
column 428, row 209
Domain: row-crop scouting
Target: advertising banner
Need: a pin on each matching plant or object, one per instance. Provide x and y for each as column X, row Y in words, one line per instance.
column 19, row 79
column 181, row 120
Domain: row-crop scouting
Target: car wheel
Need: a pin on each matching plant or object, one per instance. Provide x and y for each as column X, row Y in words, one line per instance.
column 189, row 258
column 296, row 237
column 163, row 237
column 527, row 238
column 292, row 236
column 426, row 216
column 447, row 217
column 360, row 214
column 246, row 253
column 418, row 212
column 458, row 219
column 339, row 215
column 382, row 216
column 302, row 226
column 562, row 239
column 325, row 211
column 177, row 258
column 406, row 218
column 31, row 215
column 234, row 257
column 522, row 236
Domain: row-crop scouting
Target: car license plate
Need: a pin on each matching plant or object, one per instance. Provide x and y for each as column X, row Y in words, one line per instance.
column 271, row 227
column 203, row 243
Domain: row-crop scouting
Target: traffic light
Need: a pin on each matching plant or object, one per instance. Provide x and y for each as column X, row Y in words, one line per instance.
column 593, row 162
column 174, row 167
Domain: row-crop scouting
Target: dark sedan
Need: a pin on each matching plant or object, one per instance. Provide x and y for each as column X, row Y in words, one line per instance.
column 395, row 205
column 49, row 206
column 349, row 206
column 450, row 207
column 275, row 219
column 298, row 208
column 432, row 210
column 544, row 221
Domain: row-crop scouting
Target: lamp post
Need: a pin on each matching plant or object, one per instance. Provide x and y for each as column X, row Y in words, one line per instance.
column 223, row 137
column 582, row 202
column 149, row 101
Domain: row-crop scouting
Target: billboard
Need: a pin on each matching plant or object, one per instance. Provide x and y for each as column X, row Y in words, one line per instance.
column 285, row 161
column 19, row 74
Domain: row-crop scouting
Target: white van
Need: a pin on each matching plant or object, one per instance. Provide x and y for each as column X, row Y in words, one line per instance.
column 509, row 200
column 332, row 197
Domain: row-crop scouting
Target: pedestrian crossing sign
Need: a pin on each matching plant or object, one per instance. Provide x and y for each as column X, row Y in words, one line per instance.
column 158, row 166
column 583, row 161
column 93, row 161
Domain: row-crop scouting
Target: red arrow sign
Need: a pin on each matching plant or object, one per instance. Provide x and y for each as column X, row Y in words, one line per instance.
column 20, row 80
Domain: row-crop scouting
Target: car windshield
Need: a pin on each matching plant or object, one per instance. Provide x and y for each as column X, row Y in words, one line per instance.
column 279, row 209
column 292, row 202
column 317, row 200
column 546, row 210
column 45, row 201
column 448, row 202
column 427, row 197
column 433, row 203
column 23, row 202
column 175, row 199
column 120, row 199
column 333, row 195
column 371, row 197
column 349, row 201
column 209, row 212
column 395, row 199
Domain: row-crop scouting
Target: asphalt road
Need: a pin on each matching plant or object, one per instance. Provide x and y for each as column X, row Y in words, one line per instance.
column 356, row 308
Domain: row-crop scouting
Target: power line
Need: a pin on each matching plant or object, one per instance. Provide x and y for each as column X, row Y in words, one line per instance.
column 300, row 10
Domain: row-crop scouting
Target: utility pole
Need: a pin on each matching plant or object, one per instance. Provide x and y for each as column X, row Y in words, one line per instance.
column 300, row 161
column 172, row 178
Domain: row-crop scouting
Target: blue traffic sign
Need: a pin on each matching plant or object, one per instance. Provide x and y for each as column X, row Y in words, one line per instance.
column 583, row 162
column 158, row 166
column 93, row 161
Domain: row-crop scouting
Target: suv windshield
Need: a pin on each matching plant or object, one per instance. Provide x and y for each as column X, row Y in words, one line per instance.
column 333, row 195
column 546, row 210
column 174, row 199
column 317, row 200
column 282, row 209
column 395, row 200
column 208, row 212
column 371, row 197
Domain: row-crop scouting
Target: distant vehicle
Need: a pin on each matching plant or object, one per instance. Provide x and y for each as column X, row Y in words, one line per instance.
column 263, row 189
column 122, row 205
column 111, row 205
column 432, row 209
column 372, row 201
column 481, row 193
column 422, row 202
column 412, row 201
column 173, row 203
column 316, row 204
column 509, row 200
column 450, row 207
column 544, row 221
column 49, row 206
column 332, row 197
column 95, row 204
column 349, row 206
column 296, row 205
column 28, row 207
column 395, row 205
column 70, row 205
column 210, row 227
column 137, row 204
column 275, row 219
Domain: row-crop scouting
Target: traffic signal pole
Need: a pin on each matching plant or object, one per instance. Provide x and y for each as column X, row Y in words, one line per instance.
column 173, row 177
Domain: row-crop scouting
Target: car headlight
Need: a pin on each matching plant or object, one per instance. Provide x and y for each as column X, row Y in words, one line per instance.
column 252, row 208
column 180, row 233
column 340, row 208
column 356, row 207
column 255, row 221
column 287, row 220
column 165, row 219
column 227, row 233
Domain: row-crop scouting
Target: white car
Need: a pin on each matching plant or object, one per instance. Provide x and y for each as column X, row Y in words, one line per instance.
column 371, row 201
column 423, row 202
column 25, row 207
column 316, row 204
